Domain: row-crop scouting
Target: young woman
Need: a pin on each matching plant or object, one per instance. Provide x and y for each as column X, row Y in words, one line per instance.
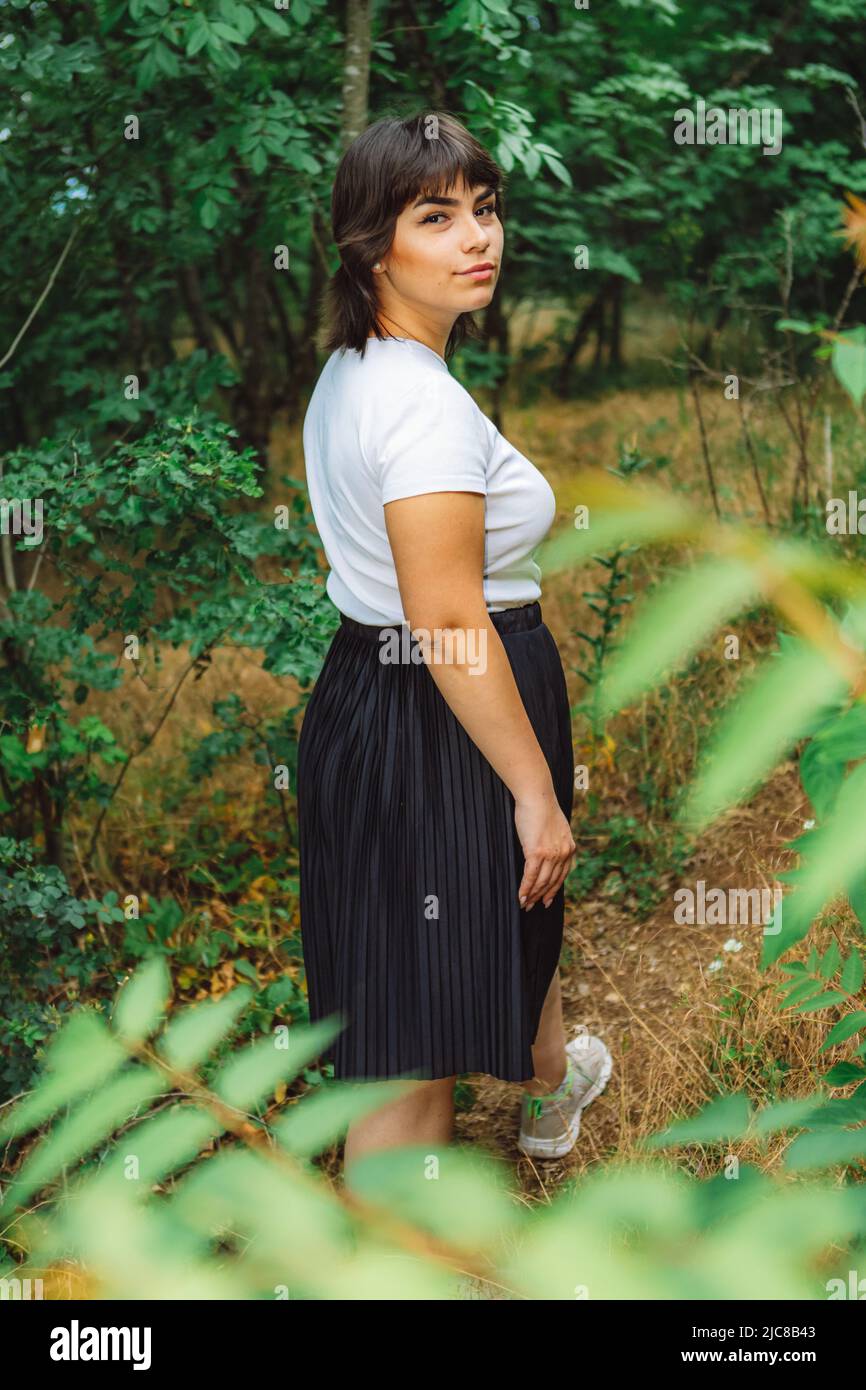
column 435, row 765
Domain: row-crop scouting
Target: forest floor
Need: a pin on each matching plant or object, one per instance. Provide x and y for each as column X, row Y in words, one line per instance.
column 656, row 992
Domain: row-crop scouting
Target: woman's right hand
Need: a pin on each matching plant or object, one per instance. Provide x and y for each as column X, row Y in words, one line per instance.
column 548, row 848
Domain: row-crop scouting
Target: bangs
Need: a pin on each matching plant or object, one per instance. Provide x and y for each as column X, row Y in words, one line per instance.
column 436, row 166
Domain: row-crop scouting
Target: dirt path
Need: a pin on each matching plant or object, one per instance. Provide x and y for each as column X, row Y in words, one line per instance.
column 647, row 990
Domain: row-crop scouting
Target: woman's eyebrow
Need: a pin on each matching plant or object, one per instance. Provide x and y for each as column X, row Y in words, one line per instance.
column 451, row 202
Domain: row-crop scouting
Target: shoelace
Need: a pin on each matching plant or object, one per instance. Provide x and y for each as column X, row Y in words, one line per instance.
column 536, row 1103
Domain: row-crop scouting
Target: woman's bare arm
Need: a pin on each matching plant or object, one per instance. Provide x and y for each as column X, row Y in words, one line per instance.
column 437, row 541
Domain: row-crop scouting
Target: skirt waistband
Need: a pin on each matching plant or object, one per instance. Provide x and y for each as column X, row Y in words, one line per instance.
column 523, row 618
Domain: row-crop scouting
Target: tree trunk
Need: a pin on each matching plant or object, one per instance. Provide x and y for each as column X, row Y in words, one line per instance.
column 355, row 117
column 254, row 413
column 135, row 339
column 614, row 345
column 286, row 395
column 581, row 333
column 356, row 69
column 318, row 276
column 52, row 822
column 190, row 289
column 600, row 325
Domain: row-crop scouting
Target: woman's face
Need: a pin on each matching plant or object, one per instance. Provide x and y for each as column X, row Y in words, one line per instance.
column 436, row 245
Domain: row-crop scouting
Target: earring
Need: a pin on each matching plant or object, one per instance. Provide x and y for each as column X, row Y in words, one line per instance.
column 378, row 265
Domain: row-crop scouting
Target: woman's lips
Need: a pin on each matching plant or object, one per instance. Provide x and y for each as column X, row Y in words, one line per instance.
column 477, row 274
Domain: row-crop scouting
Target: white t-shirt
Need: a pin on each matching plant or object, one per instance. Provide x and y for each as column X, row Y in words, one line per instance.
column 396, row 423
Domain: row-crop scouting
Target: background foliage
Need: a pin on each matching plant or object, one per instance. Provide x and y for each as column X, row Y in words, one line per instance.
column 165, row 170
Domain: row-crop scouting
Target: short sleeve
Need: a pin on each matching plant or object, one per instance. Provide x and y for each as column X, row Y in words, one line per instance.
column 432, row 440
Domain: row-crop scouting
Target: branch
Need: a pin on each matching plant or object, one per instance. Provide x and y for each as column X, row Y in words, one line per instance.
column 145, row 744
column 40, row 301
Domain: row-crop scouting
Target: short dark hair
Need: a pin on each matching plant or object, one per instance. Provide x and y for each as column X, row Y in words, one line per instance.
column 390, row 163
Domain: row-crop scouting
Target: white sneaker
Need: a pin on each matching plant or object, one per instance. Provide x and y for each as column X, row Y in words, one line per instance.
column 549, row 1125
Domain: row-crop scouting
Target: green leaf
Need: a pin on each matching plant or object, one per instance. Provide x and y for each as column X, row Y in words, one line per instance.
column 841, row 740
column 321, row 1117
column 531, row 163
column 825, row 1148
column 785, row 1114
column 725, row 1118
column 843, row 1073
column 821, row 1001
column 849, row 362
column 209, row 214
column 851, row 978
column 794, row 326
column 835, row 860
column 844, row 736
column 673, row 624
column 241, row 16
column 160, row 1144
column 198, row 35
column 227, row 32
column 830, row 962
column 557, row 167
column 91, row 1123
column 844, row 1029
column 253, row 1073
column 822, row 74
column 839, row 1110
column 223, row 55
column 194, row 1033
column 771, row 713
column 606, row 258
column 141, row 1002
column 272, row 20
column 805, row 989
column 504, row 156
column 147, row 70
column 166, row 60
column 821, row 778
column 616, row 518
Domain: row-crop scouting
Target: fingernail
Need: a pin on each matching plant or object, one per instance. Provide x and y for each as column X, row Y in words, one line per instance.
column 522, row 902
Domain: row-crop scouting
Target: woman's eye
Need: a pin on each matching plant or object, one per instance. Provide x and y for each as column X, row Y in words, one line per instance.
column 488, row 207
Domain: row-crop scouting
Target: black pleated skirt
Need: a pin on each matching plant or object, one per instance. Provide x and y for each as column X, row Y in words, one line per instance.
column 410, row 864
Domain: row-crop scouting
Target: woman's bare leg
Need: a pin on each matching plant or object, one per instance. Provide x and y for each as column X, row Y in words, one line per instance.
column 424, row 1115
column 548, row 1050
